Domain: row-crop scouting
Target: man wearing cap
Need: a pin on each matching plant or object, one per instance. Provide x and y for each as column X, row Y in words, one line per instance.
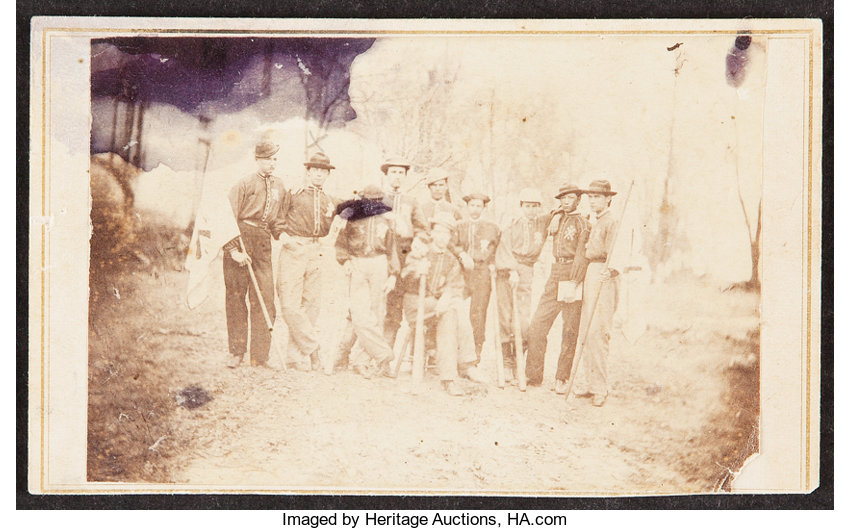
column 256, row 201
column 366, row 249
column 306, row 219
column 438, row 201
column 600, row 285
column 443, row 299
column 519, row 249
column 408, row 222
column 569, row 235
column 477, row 241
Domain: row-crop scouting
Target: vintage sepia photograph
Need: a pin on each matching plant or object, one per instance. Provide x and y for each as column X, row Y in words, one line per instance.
column 513, row 258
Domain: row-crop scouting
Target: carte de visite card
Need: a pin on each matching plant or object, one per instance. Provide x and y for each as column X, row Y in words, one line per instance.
column 324, row 256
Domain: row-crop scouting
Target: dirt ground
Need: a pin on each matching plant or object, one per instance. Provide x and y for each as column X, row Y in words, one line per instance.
column 680, row 417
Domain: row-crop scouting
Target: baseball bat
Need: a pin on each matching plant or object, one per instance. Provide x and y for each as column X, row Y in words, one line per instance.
column 262, row 303
column 257, row 290
column 418, row 370
column 497, row 334
column 592, row 312
column 520, row 353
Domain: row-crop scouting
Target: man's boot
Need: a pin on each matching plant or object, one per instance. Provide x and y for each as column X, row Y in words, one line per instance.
column 452, row 388
column 471, row 372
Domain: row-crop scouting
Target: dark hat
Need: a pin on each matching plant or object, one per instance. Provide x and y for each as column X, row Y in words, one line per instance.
column 395, row 161
column 265, row 149
column 436, row 175
column 601, row 187
column 372, row 192
column 568, row 188
column 476, row 195
column 443, row 219
column 319, row 160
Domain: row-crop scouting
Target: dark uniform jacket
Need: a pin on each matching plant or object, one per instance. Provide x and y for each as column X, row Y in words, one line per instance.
column 407, row 219
column 309, row 213
column 522, row 241
column 444, row 274
column 568, row 244
column 431, row 208
column 258, row 200
column 479, row 238
column 368, row 237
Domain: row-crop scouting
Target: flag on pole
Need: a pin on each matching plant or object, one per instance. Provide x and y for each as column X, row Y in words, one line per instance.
column 215, row 225
column 629, row 261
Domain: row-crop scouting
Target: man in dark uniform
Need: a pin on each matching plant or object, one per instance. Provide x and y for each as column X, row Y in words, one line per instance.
column 306, row 220
column 439, row 203
column 561, row 294
column 478, row 240
column 256, row 201
column 366, row 249
column 408, row 222
column 519, row 249
column 438, row 200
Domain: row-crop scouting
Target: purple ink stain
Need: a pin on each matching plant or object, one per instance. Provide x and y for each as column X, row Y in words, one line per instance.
column 361, row 208
column 209, row 76
column 736, row 61
column 187, row 72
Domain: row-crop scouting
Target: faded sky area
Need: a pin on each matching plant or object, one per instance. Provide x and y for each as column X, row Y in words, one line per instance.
column 498, row 113
column 582, row 108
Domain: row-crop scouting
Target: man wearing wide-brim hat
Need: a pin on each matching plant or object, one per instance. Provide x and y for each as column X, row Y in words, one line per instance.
column 408, row 222
column 519, row 249
column 256, row 201
column 365, row 247
column 601, row 285
column 307, row 219
column 477, row 241
column 562, row 291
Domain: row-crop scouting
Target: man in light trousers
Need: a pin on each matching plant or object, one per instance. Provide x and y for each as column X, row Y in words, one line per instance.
column 307, row 219
column 600, row 284
column 366, row 249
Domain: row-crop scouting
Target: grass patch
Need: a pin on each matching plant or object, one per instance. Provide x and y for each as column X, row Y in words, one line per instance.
column 129, row 435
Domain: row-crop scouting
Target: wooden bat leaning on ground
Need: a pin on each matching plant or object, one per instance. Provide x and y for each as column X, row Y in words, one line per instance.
column 418, row 370
column 520, row 353
column 497, row 335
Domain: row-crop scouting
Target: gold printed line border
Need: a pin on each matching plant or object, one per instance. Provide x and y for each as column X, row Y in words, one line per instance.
column 49, row 32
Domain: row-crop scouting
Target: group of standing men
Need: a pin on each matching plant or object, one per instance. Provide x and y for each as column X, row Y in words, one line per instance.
column 392, row 246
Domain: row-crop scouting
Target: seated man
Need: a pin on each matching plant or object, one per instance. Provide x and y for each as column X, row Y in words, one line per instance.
column 443, row 302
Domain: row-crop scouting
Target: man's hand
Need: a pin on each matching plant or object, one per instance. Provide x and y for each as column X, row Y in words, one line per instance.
column 240, row 258
column 418, row 248
column 286, row 240
column 390, row 284
column 606, row 274
column 466, row 261
column 513, row 279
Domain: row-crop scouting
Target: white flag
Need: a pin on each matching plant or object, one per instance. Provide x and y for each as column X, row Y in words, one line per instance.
column 627, row 258
column 215, row 225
